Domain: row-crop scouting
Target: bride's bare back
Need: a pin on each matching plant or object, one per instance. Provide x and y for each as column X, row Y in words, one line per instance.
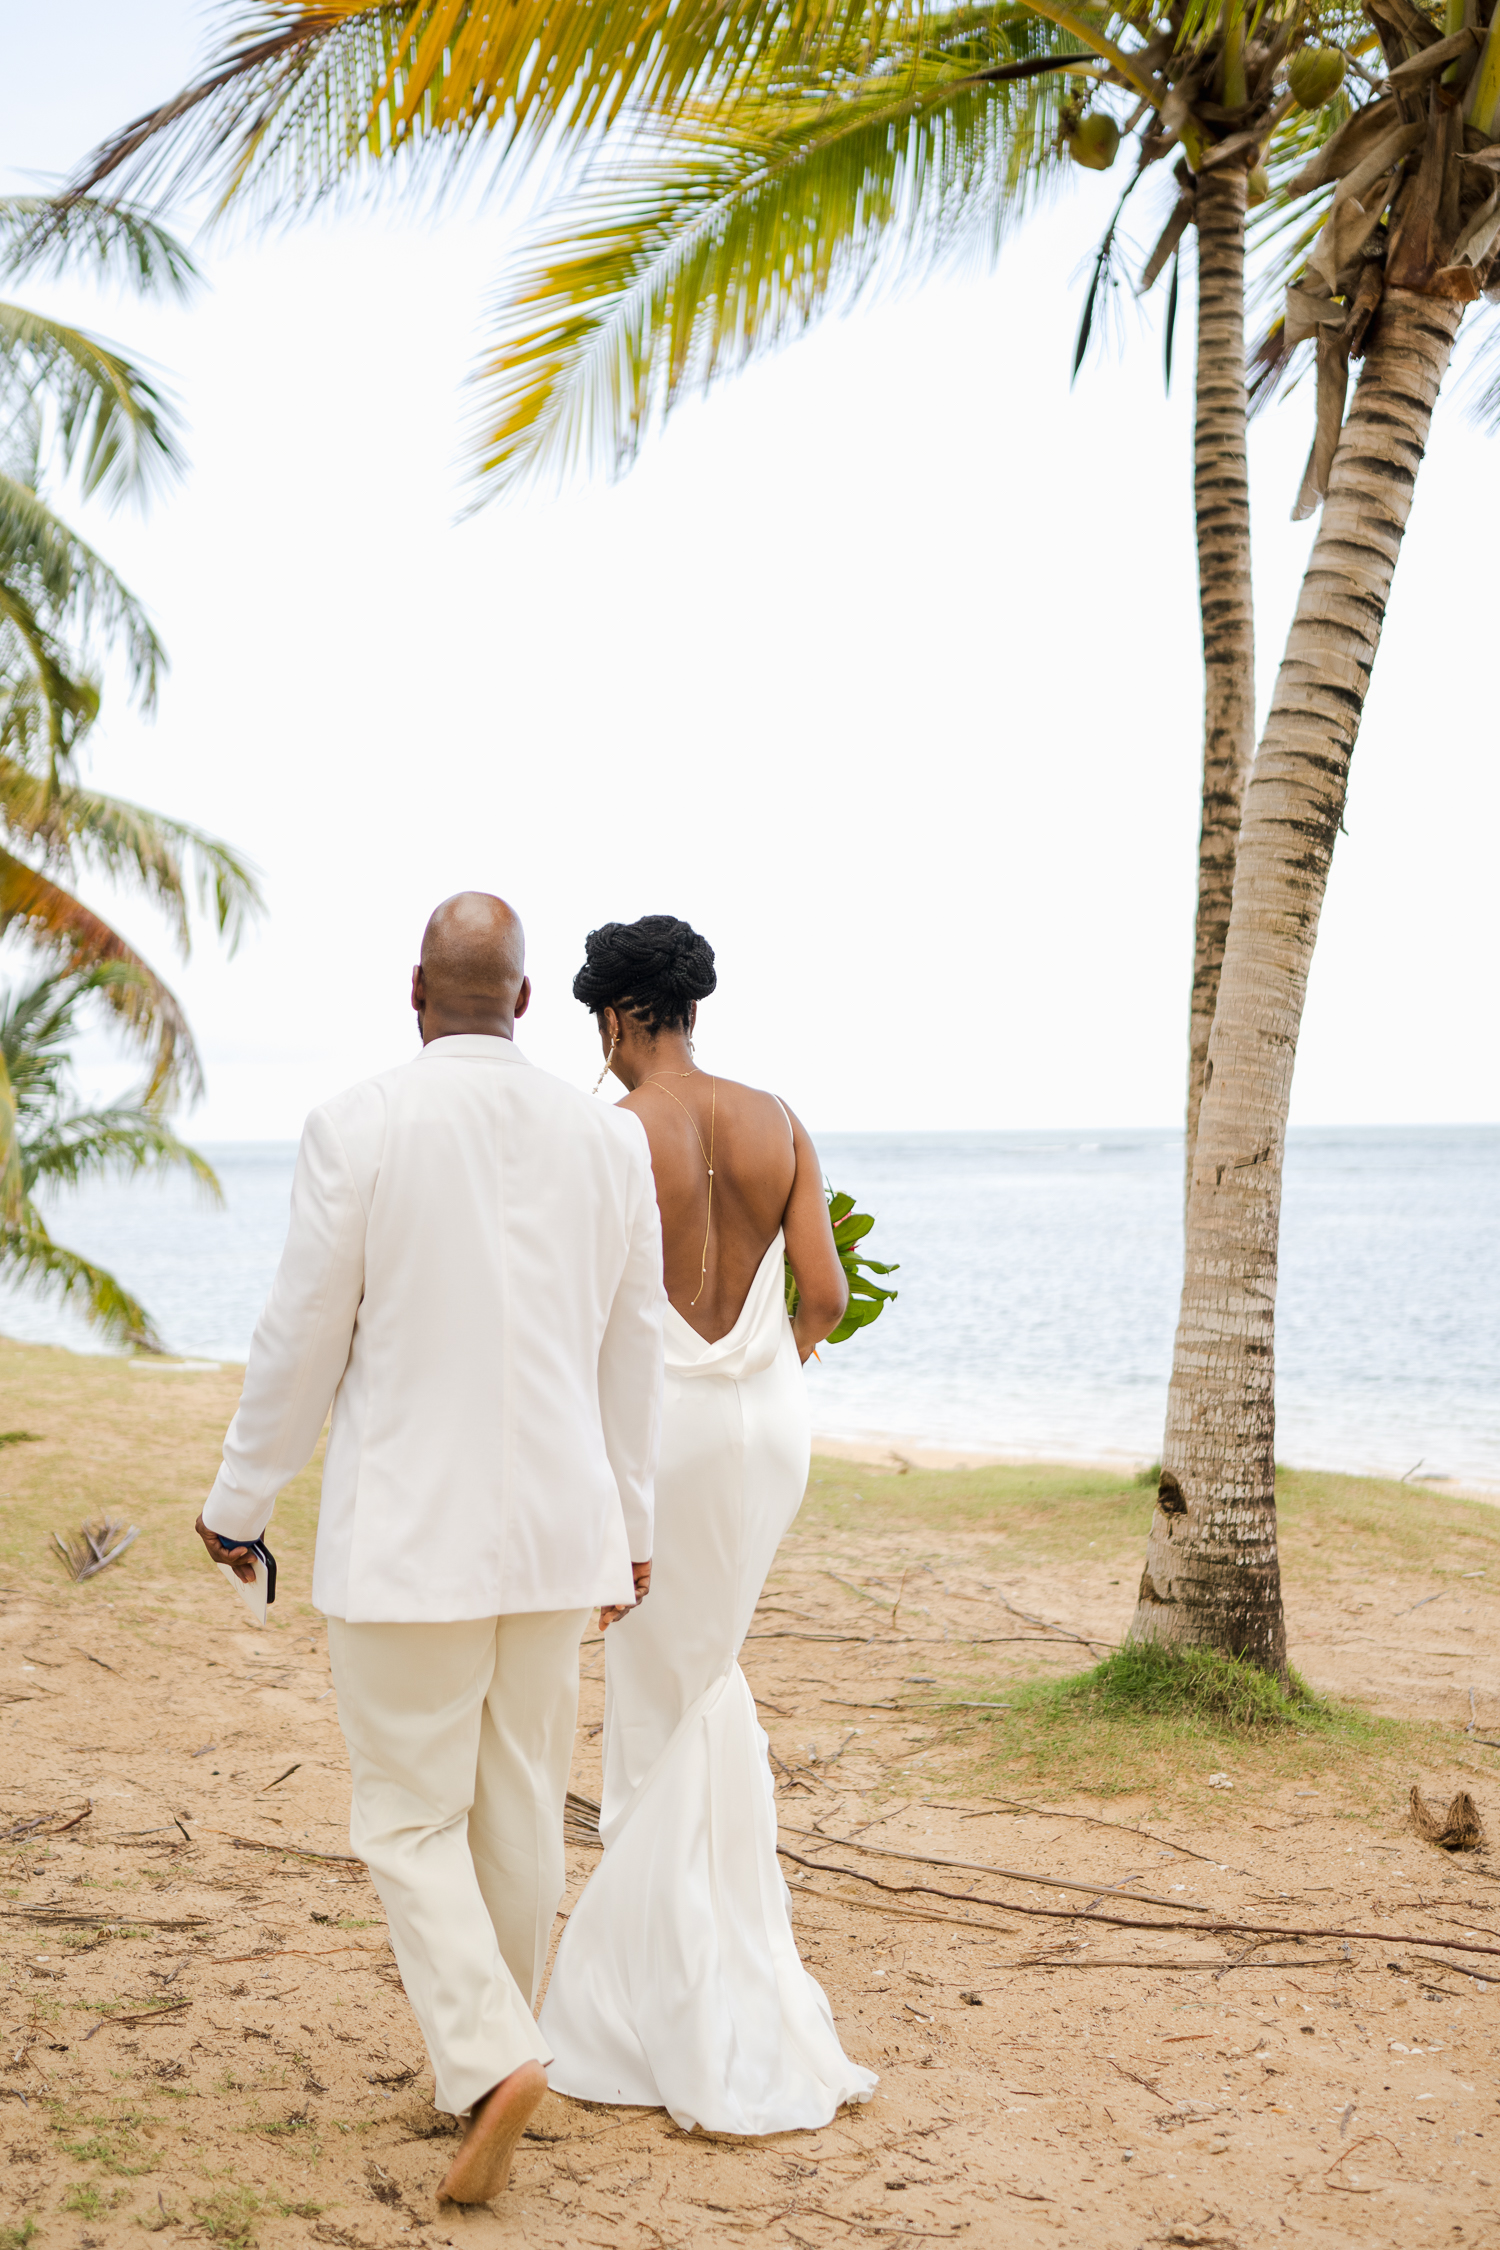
column 765, row 1171
column 765, row 1177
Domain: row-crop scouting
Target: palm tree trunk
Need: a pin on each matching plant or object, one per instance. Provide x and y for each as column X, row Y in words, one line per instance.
column 1221, row 495
column 1212, row 1575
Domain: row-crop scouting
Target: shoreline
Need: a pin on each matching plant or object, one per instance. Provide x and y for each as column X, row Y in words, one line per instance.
column 895, row 1452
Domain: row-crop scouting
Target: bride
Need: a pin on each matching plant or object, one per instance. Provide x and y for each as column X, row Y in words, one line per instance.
column 677, row 1982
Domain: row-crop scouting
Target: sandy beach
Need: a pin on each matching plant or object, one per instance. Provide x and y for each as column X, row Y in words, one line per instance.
column 204, row 2033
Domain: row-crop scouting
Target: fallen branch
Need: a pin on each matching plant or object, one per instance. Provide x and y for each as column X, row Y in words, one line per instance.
column 293, row 1851
column 1125, row 1922
column 1139, row 1961
column 140, row 2015
column 908, row 1913
column 1050, row 1812
column 286, row 1953
column 868, row 2226
column 56, row 1917
column 1454, row 1968
column 1007, row 1874
column 24, row 1828
column 1084, row 1640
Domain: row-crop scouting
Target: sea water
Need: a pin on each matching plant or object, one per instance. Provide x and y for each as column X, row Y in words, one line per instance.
column 1039, row 1275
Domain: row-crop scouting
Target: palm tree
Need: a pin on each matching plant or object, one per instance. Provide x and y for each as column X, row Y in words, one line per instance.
column 69, row 398
column 51, row 1143
column 1408, row 241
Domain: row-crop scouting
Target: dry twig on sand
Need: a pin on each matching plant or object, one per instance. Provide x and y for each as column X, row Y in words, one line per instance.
column 1005, row 1874
column 1219, row 1928
column 1047, row 1812
column 291, row 1851
column 41, row 1825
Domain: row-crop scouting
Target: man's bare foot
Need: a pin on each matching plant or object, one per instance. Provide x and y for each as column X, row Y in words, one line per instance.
column 482, row 2165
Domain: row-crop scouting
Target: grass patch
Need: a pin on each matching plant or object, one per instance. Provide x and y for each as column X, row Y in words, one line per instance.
column 97, row 2150
column 1199, row 1691
column 1155, row 1718
column 86, row 2199
column 16, row 2238
column 230, row 2217
column 1038, row 1510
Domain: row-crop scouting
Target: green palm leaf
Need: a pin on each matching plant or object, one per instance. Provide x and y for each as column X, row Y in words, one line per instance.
column 106, row 241
column 29, row 1254
column 46, row 1142
column 92, row 1144
column 52, row 582
column 110, row 421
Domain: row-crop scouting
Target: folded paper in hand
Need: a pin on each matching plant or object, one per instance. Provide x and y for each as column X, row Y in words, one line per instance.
column 262, row 1589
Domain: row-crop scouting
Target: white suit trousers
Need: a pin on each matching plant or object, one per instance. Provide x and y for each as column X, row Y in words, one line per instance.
column 460, row 1740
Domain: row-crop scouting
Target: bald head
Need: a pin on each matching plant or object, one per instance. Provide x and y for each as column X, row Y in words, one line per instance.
column 472, row 975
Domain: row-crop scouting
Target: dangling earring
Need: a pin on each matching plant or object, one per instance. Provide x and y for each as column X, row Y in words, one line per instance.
column 604, row 1073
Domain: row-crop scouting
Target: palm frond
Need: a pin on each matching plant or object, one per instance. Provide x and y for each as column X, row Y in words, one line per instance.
column 1106, row 277
column 301, row 97
column 53, row 583
column 62, row 930
column 678, row 266
column 90, row 1144
column 29, row 1254
column 168, row 860
column 104, row 240
column 12, row 1179
column 111, row 422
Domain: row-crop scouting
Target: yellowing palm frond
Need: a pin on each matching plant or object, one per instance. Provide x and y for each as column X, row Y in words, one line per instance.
column 62, row 930
column 166, row 860
column 688, row 259
column 301, row 97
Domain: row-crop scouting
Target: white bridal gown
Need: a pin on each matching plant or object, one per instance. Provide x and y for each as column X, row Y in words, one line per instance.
column 677, row 1982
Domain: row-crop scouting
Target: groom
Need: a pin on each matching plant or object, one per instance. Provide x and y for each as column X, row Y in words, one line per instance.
column 472, row 1276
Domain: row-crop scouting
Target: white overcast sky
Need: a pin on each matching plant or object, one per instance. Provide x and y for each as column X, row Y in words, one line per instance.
column 881, row 667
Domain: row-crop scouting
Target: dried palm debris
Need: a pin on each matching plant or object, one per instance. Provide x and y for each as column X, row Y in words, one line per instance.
column 95, row 1547
column 581, row 1820
column 1459, row 1829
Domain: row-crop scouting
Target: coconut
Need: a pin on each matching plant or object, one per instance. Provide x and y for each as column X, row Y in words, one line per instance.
column 1315, row 75
column 1257, row 185
column 1095, row 141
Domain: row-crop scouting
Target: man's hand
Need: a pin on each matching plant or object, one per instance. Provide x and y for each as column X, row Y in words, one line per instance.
column 240, row 1559
column 641, row 1573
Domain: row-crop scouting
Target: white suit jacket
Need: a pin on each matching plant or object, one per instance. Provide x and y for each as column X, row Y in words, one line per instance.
column 473, row 1277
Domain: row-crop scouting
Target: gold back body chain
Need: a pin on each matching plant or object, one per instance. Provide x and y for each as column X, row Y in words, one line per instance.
column 706, row 1153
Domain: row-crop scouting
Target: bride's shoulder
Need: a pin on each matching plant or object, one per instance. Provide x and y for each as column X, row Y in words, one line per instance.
column 755, row 1100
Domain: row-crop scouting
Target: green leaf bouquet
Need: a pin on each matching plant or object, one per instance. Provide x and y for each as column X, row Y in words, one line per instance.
column 867, row 1300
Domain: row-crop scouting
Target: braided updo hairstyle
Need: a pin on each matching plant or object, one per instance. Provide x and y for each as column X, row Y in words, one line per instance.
column 652, row 970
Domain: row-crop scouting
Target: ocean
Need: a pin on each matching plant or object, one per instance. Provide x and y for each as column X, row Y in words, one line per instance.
column 1038, row 1289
